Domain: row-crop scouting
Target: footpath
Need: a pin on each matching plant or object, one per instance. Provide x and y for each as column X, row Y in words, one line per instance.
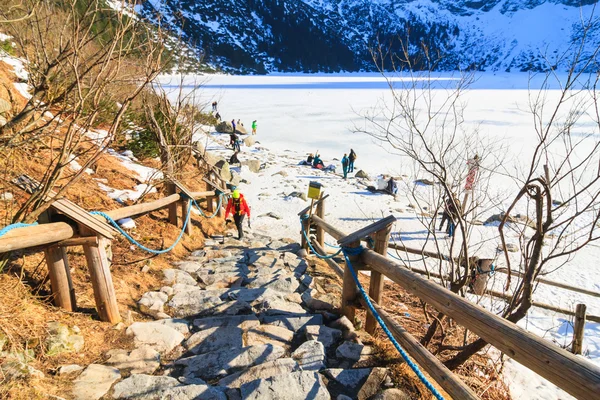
column 240, row 320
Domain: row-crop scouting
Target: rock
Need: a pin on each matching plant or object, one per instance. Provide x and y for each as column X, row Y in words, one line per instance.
column 143, row 360
column 302, row 253
column 344, row 325
column 62, row 339
column 226, row 361
column 253, row 165
column 193, row 302
column 180, row 325
column 241, row 321
column 300, row 195
column 160, row 337
column 282, row 173
column 293, row 323
column 325, row 335
column 424, row 181
column 153, row 304
column 213, row 339
column 272, row 215
column 68, row 369
column 15, row 365
column 94, row 382
column 224, row 171
column 360, row 383
column 175, row 276
column 250, row 141
column 6, row 196
column 224, row 127
column 511, row 247
column 320, row 301
column 293, row 386
column 281, row 283
column 278, row 306
column 261, row 371
column 310, row 356
column 189, row 266
column 268, row 334
column 147, row 387
column 349, row 351
column 240, row 129
column 392, row 394
column 362, row 174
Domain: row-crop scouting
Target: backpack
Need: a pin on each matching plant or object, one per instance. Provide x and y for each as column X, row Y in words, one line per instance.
column 237, row 206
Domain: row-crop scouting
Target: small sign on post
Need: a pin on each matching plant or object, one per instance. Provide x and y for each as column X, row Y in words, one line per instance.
column 314, row 190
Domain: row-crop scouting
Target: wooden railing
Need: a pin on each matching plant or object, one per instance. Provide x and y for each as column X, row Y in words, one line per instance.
column 575, row 375
column 54, row 237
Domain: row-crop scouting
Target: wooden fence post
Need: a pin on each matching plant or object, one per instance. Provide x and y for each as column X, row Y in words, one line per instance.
column 98, row 262
column 306, row 229
column 349, row 288
column 321, row 214
column 579, row 328
column 377, row 280
column 173, row 217
column 186, row 206
column 60, row 278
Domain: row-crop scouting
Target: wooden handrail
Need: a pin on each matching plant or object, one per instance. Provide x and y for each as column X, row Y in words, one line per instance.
column 332, row 230
column 37, row 235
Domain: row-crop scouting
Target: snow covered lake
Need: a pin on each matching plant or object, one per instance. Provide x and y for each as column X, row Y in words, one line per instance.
column 301, row 114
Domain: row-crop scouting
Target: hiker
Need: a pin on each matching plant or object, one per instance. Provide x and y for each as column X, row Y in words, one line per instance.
column 382, row 182
column 308, row 160
column 218, row 116
column 351, row 159
column 254, row 127
column 233, row 138
column 234, row 158
column 239, row 123
column 233, row 124
column 317, row 162
column 239, row 208
column 236, row 145
column 345, row 163
column 392, row 187
column 450, row 214
column 214, row 106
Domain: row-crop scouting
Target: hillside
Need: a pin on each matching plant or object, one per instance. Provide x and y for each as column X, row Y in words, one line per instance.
column 263, row 36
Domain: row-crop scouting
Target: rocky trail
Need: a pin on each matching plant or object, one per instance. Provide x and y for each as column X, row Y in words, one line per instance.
column 239, row 320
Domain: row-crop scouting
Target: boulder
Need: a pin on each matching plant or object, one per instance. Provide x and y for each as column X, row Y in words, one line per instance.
column 325, row 335
column 315, row 300
column 253, row 165
column 349, row 351
column 213, row 339
column 223, row 362
column 362, row 174
column 424, row 181
column 153, row 304
column 94, row 382
column 310, row 356
column 187, row 303
column 62, row 339
column 143, row 360
column 261, row 371
column 392, row 394
column 160, row 337
column 224, row 127
column 268, row 334
column 147, row 387
column 250, row 141
column 360, row 383
column 212, row 159
column 180, row 325
column 224, row 171
column 240, row 129
column 175, row 276
column 64, row 370
column 293, row 386
column 293, row 323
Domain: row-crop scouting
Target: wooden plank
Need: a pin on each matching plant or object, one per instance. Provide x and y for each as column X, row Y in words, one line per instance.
column 321, row 214
column 573, row 374
column 60, row 278
column 182, row 188
column 78, row 241
column 32, row 236
column 367, row 230
column 143, row 208
column 382, row 239
column 304, row 211
column 215, row 185
column 579, row 328
column 185, row 208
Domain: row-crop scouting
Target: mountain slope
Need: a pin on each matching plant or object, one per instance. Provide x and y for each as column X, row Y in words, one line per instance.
column 331, row 35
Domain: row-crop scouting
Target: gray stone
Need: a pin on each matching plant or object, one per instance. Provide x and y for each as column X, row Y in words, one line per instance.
column 180, row 325
column 310, row 355
column 347, row 328
column 213, row 339
column 153, row 304
column 279, row 283
column 160, row 337
column 268, row 334
column 68, row 369
column 293, row 323
column 224, row 171
column 147, row 387
column 168, row 290
column 360, row 383
column 193, row 302
column 302, row 253
column 278, row 306
column 320, row 301
column 189, row 266
column 350, row 351
column 226, row 361
column 15, row 365
column 325, row 335
column 241, row 321
column 261, row 371
column 224, row 127
column 94, row 382
column 241, row 129
column 6, row 196
column 175, row 276
column 293, row 386
column 253, row 165
column 362, row 174
column 62, row 339
column 392, row 394
column 267, row 261
column 143, row 360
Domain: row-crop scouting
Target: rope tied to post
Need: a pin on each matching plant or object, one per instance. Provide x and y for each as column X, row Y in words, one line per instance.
column 303, row 218
column 356, row 251
column 16, row 225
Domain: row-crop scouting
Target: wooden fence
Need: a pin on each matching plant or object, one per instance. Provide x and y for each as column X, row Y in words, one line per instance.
column 575, row 375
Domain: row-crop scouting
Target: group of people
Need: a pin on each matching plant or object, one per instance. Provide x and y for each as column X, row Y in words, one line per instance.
column 348, row 163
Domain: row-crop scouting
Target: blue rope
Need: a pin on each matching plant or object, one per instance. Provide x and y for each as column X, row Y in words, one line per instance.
column 215, row 213
column 302, row 218
column 10, row 227
column 135, row 242
column 411, row 364
column 332, row 246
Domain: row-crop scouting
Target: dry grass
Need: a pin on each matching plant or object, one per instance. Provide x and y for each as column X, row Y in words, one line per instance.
column 479, row 372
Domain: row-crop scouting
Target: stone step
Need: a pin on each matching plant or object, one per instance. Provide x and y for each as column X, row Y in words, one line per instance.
column 293, row 386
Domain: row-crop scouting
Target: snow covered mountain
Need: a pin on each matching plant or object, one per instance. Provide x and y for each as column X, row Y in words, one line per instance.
column 259, row 36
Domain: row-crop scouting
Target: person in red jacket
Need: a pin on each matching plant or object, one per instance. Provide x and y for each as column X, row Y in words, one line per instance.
column 239, row 208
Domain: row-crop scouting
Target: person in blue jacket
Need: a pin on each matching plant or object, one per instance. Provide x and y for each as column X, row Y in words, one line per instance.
column 345, row 163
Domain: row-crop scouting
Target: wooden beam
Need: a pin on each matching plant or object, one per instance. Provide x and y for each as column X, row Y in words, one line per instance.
column 578, row 328
column 143, row 208
column 575, row 375
column 321, row 214
column 185, row 208
column 32, row 236
column 367, row 230
column 60, row 278
column 173, row 217
column 77, row 241
column 382, row 239
column 349, row 288
column 304, row 211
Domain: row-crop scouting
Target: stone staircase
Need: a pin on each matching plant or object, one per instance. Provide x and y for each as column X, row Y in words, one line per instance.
column 240, row 320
